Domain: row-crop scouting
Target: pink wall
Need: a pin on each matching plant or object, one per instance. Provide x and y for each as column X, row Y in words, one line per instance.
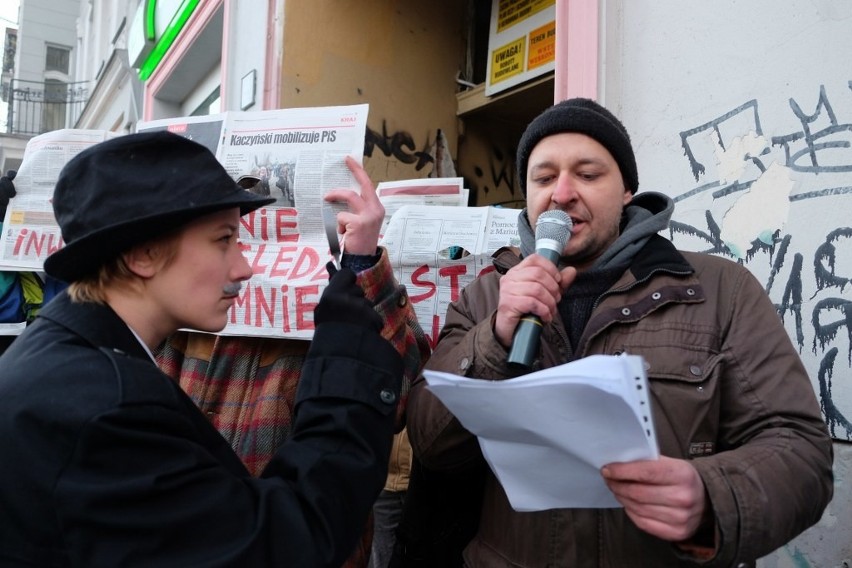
column 577, row 38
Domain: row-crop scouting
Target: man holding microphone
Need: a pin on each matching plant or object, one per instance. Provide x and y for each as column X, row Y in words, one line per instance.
column 746, row 458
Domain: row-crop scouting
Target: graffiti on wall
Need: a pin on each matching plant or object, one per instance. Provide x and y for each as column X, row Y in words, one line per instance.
column 779, row 205
column 399, row 146
column 497, row 174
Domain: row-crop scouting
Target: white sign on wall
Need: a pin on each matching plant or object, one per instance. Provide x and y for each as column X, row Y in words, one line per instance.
column 521, row 42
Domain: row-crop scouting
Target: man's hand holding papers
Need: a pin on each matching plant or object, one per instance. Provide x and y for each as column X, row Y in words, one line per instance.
column 565, row 424
column 664, row 497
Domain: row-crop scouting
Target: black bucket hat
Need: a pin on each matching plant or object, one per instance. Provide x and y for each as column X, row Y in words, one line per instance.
column 134, row 188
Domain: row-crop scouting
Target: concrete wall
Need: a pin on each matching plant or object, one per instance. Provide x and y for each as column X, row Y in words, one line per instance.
column 401, row 57
column 742, row 112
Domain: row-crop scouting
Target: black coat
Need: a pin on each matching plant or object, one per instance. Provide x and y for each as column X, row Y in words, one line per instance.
column 104, row 461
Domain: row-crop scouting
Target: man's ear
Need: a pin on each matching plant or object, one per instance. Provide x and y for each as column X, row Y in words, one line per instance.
column 143, row 260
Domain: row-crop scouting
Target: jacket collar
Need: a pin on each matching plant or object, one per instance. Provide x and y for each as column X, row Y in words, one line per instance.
column 98, row 324
column 658, row 253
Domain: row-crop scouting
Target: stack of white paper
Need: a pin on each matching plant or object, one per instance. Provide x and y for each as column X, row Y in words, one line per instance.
column 547, row 434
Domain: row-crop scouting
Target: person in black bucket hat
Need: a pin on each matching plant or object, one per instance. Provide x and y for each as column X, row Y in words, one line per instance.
column 746, row 459
column 126, row 190
column 106, row 461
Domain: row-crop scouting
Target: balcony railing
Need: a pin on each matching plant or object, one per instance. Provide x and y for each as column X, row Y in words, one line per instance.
column 39, row 107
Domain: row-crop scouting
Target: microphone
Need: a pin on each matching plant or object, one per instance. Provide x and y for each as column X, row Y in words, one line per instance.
column 552, row 231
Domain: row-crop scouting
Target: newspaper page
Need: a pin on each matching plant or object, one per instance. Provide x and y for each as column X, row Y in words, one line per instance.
column 30, row 232
column 424, row 191
column 298, row 156
column 206, row 130
column 438, row 250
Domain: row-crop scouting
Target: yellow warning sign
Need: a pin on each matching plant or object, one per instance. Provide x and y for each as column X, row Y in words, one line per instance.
column 542, row 46
column 508, row 60
column 513, row 12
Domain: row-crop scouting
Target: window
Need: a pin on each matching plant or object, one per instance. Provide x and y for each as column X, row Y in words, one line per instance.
column 56, row 59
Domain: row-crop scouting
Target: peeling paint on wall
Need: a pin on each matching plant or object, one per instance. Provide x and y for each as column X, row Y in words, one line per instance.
column 777, row 208
column 732, row 159
column 759, row 214
column 687, row 79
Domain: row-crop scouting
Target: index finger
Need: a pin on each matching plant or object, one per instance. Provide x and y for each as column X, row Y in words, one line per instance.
column 368, row 190
column 541, row 262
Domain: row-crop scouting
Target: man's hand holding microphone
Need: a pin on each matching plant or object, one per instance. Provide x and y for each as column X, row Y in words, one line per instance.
column 530, row 291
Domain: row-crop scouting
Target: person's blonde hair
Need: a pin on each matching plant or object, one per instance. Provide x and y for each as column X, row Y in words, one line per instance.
column 116, row 272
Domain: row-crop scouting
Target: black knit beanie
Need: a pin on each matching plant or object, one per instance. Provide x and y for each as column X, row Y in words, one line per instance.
column 583, row 116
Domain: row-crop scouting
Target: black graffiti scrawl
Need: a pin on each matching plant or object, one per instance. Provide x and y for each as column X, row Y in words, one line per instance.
column 807, row 273
column 398, row 145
